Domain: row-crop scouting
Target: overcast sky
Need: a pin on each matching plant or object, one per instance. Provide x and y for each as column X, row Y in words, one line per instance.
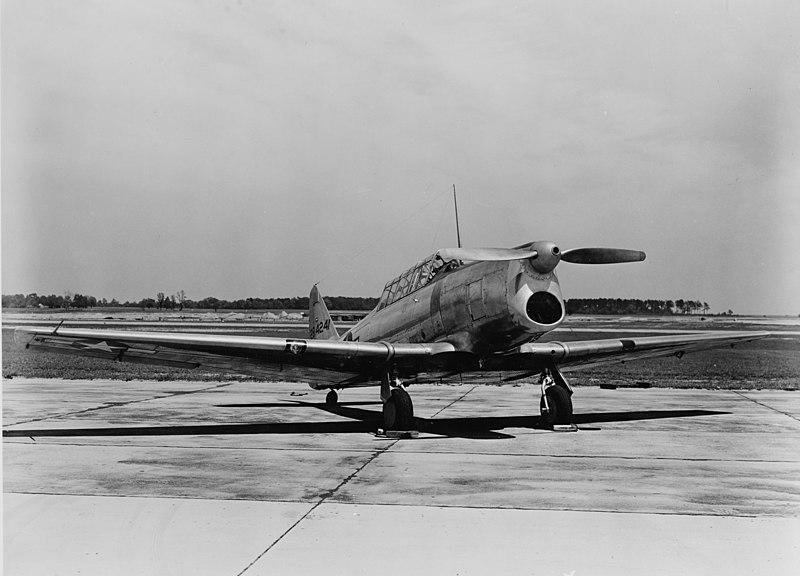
column 237, row 149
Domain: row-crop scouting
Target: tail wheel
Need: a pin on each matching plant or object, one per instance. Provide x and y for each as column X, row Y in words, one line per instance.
column 398, row 411
column 558, row 409
column 332, row 399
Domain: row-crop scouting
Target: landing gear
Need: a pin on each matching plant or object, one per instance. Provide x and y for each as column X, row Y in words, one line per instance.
column 398, row 411
column 556, row 406
column 332, row 399
column 556, row 403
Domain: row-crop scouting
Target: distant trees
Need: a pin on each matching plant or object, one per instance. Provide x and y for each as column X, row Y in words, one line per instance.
column 209, row 302
column 634, row 306
column 628, row 306
column 51, row 301
column 33, row 300
column 13, row 301
column 294, row 303
column 181, row 298
column 81, row 301
column 180, row 301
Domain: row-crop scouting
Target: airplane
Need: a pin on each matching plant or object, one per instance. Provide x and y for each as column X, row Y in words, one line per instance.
column 474, row 313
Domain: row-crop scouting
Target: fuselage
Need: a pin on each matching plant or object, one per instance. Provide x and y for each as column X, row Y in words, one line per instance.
column 480, row 307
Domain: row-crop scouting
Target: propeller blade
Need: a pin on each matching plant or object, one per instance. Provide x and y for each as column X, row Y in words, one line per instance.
column 602, row 256
column 485, row 254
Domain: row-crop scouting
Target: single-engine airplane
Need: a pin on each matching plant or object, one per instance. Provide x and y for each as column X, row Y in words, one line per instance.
column 475, row 312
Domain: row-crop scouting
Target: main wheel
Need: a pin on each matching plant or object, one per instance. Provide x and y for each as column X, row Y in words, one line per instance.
column 398, row 411
column 560, row 404
column 332, row 399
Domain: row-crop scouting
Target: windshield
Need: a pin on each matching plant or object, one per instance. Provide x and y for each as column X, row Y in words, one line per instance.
column 415, row 278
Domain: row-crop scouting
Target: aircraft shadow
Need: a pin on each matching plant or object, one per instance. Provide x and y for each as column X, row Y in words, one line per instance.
column 295, row 404
column 361, row 421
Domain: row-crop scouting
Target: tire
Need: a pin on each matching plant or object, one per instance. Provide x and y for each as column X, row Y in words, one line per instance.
column 398, row 411
column 332, row 399
column 560, row 403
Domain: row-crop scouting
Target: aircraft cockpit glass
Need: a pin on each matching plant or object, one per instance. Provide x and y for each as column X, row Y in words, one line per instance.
column 415, row 278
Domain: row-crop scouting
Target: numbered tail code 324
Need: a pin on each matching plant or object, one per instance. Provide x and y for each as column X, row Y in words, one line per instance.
column 320, row 327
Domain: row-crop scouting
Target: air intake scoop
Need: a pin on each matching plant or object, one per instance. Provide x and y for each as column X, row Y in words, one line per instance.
column 544, row 308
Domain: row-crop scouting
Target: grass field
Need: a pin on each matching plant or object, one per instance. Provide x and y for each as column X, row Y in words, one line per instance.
column 771, row 363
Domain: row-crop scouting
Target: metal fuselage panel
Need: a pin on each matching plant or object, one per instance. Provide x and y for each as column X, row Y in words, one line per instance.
column 480, row 307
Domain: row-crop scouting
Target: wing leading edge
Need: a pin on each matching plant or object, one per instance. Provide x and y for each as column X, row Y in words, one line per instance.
column 531, row 359
column 331, row 363
column 593, row 352
column 321, row 363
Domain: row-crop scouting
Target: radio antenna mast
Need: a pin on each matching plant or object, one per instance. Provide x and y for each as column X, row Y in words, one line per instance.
column 455, row 202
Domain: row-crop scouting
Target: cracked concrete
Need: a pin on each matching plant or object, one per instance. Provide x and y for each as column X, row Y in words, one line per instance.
column 156, row 477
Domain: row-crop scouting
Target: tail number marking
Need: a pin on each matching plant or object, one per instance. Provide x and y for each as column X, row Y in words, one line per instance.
column 319, row 328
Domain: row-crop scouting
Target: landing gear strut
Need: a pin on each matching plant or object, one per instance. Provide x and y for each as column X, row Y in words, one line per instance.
column 398, row 410
column 556, row 403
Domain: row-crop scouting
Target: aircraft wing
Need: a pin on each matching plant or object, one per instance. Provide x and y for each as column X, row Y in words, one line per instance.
column 321, row 363
column 325, row 363
column 592, row 352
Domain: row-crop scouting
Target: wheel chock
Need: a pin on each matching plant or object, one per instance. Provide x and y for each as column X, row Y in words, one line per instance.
column 399, row 434
column 565, row 428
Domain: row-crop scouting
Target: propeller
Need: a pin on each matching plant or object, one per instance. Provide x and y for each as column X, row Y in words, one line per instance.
column 602, row 256
column 485, row 254
column 544, row 255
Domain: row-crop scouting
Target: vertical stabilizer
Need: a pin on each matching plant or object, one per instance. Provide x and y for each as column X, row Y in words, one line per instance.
column 320, row 324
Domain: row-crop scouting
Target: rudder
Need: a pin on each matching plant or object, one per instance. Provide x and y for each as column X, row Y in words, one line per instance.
column 320, row 323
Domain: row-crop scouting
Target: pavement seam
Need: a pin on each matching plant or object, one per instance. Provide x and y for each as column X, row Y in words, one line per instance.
column 407, row 505
column 583, row 510
column 454, row 401
column 330, row 493
column 416, row 452
column 325, row 496
column 279, row 538
column 118, row 404
column 753, row 400
column 600, row 457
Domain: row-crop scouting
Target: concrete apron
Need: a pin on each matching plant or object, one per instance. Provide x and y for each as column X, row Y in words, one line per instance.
column 251, row 478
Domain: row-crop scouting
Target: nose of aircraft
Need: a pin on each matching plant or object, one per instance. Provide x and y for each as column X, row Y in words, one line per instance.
column 547, row 256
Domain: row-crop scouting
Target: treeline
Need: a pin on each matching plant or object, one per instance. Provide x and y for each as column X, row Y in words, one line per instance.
column 179, row 301
column 632, row 306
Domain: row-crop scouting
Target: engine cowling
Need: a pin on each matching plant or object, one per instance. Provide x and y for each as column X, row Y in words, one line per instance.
column 535, row 299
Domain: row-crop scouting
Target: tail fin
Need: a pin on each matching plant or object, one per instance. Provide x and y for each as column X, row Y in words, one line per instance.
column 320, row 324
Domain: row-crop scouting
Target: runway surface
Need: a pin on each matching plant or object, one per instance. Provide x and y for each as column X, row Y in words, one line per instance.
column 107, row 477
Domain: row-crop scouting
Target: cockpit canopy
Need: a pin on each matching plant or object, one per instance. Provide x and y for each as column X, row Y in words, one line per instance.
column 415, row 278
